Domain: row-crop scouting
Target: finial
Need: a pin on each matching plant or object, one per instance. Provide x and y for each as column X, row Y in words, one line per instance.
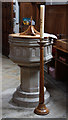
column 31, row 20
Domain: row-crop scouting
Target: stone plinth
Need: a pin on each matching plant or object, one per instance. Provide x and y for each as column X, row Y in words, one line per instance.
column 25, row 52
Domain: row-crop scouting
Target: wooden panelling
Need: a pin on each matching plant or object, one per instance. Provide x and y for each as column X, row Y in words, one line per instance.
column 67, row 20
column 55, row 19
column 7, row 26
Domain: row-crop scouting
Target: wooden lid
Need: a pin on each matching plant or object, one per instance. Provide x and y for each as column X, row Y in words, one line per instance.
column 18, row 35
column 32, row 33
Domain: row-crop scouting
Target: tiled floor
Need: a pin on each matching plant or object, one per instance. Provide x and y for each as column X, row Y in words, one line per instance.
column 11, row 80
